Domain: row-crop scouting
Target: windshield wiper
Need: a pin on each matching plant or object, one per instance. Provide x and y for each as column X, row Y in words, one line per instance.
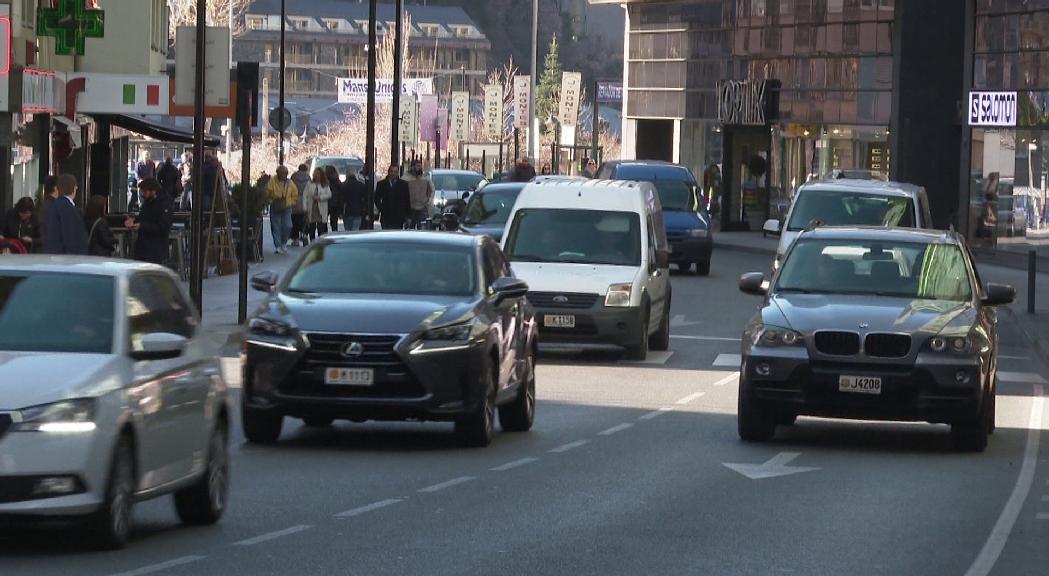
column 530, row 258
column 797, row 290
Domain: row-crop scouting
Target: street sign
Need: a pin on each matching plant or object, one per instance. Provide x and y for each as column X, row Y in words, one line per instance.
column 522, row 90
column 280, row 119
column 992, row 109
column 408, row 127
column 493, row 111
column 217, row 66
column 610, row 92
column 460, row 116
column 355, row 90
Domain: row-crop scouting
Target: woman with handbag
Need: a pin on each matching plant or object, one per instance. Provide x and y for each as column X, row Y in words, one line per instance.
column 282, row 195
column 100, row 239
column 315, row 199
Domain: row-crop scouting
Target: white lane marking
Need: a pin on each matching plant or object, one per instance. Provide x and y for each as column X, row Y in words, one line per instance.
column 992, row 549
column 690, row 398
column 448, row 484
column 656, row 358
column 728, row 360
column 710, row 338
column 679, row 321
column 727, row 379
column 569, row 446
column 1004, row 357
column 1021, row 377
column 773, row 468
column 656, row 413
column 161, row 566
column 369, row 507
column 273, row 535
column 615, row 429
column 514, row 464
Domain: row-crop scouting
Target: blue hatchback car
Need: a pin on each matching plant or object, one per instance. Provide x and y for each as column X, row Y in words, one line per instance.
column 687, row 222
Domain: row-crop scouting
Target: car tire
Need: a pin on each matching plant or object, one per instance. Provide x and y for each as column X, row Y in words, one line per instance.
column 204, row 502
column 661, row 340
column 703, row 268
column 477, row 429
column 317, row 421
column 970, row 434
column 639, row 352
column 261, row 426
column 519, row 414
column 755, row 423
column 110, row 526
column 786, row 419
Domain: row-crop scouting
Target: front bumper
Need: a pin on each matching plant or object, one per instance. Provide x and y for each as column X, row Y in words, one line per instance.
column 688, row 249
column 596, row 328
column 435, row 385
column 926, row 389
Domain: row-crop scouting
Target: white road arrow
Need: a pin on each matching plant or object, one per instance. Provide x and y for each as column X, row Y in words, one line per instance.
column 777, row 466
column 678, row 321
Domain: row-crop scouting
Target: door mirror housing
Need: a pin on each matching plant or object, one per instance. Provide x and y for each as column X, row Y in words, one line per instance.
column 772, row 226
column 753, row 283
column 265, row 281
column 160, row 346
column 507, row 288
column 998, row 295
column 662, row 259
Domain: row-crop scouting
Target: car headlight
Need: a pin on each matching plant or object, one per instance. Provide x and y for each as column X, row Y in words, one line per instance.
column 269, row 328
column 698, row 233
column 66, row 416
column 453, row 333
column 618, row 295
column 955, row 344
column 773, row 336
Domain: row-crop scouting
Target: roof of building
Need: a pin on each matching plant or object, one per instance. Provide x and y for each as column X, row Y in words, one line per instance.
column 355, row 10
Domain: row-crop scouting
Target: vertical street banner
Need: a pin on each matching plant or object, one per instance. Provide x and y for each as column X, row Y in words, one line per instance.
column 571, row 87
column 460, row 116
column 493, row 111
column 522, row 90
column 408, row 127
column 428, row 118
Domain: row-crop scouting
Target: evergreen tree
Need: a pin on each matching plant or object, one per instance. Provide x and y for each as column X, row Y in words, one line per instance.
column 548, row 90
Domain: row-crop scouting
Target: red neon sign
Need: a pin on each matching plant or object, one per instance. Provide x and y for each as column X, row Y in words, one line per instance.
column 5, row 45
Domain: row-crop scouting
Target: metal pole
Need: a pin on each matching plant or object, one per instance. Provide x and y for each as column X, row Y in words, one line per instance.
column 244, row 99
column 1032, row 263
column 283, row 65
column 484, row 160
column 499, row 166
column 370, row 152
column 196, row 269
column 229, row 121
column 596, row 128
column 437, row 153
column 533, row 139
column 517, row 144
column 398, row 47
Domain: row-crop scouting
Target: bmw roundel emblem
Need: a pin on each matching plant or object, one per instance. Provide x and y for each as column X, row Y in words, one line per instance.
column 561, row 299
column 865, row 325
column 353, row 350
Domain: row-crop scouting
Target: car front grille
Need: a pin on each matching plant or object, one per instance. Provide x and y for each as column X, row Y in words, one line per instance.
column 393, row 379
column 838, row 343
column 562, row 300
column 378, row 351
column 887, row 345
column 5, row 423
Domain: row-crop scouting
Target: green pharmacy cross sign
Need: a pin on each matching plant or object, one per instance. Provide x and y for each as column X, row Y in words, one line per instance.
column 70, row 23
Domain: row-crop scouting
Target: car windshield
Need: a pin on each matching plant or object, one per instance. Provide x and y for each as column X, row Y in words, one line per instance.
column 576, row 236
column 676, row 196
column 378, row 267
column 491, row 207
column 457, row 182
column 841, row 208
column 876, row 267
column 343, row 165
column 53, row 312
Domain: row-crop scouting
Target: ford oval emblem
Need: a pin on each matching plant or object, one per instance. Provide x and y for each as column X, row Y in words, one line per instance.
column 561, row 299
column 353, row 350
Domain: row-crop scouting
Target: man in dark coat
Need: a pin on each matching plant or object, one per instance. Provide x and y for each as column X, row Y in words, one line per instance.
column 354, row 198
column 393, row 199
column 523, row 172
column 66, row 233
column 153, row 224
column 169, row 178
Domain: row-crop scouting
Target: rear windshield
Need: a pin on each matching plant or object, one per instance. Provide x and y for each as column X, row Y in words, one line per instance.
column 343, row 165
column 456, row 182
column 840, row 208
column 51, row 312
column 677, row 196
column 490, row 207
column 575, row 236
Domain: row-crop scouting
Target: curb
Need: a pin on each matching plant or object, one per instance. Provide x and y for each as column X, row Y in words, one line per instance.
column 1041, row 347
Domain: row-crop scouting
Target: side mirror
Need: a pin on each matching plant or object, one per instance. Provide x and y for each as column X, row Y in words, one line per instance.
column 772, row 226
column 160, row 346
column 662, row 259
column 507, row 288
column 753, row 283
column 998, row 295
column 265, row 281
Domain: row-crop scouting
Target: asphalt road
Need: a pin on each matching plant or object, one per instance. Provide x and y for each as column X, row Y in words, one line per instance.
column 624, row 473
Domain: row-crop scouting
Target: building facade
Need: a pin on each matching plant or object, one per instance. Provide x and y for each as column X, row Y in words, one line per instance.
column 328, row 39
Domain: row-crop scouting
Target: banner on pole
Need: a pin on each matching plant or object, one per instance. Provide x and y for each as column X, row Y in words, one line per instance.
column 460, row 116
column 610, row 92
column 571, row 83
column 355, row 90
column 408, row 127
column 522, row 91
column 430, row 120
column 493, row 111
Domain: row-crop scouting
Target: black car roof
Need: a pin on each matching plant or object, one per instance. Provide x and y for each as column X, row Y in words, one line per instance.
column 403, row 236
column 917, row 235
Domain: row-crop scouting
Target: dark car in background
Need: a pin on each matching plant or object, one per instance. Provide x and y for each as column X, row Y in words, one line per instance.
column 344, row 164
column 488, row 210
column 685, row 215
column 873, row 324
column 392, row 326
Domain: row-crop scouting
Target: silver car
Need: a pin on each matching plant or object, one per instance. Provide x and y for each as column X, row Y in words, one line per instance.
column 108, row 396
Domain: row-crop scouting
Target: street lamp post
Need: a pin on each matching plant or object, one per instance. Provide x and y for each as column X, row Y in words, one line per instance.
column 462, row 70
column 196, row 270
column 283, row 65
column 369, row 154
column 533, row 138
column 398, row 47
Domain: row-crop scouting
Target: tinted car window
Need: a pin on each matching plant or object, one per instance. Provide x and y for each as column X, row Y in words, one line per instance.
column 491, row 207
column 343, row 165
column 840, row 208
column 676, row 196
column 577, row 236
column 386, row 268
column 906, row 270
column 50, row 312
column 456, row 181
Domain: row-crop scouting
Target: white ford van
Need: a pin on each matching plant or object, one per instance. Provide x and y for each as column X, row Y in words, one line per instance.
column 594, row 255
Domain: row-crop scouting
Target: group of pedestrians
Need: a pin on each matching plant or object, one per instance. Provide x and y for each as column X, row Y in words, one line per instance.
column 304, row 206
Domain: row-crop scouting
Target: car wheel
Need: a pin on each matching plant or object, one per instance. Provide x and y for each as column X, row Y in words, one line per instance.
column 703, row 268
column 317, row 421
column 755, row 423
column 786, row 419
column 261, row 426
column 970, row 434
column 639, row 352
column 111, row 524
column 661, row 340
column 478, row 428
column 519, row 414
column 204, row 502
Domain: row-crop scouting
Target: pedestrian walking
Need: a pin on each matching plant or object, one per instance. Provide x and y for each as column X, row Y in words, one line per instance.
column 523, row 171
column 298, row 213
column 185, row 169
column 212, row 174
column 282, row 195
column 22, row 224
column 66, row 233
column 100, row 238
column 50, row 190
column 393, row 200
column 145, row 168
column 335, row 204
column 589, row 168
column 153, row 224
column 420, row 192
column 354, row 196
column 169, row 179
column 316, row 194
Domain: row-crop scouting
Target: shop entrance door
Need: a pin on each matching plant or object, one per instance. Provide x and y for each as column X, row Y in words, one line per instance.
column 655, row 140
column 745, row 196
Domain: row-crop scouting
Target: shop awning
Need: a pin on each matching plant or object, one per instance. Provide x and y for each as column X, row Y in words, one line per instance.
column 156, row 130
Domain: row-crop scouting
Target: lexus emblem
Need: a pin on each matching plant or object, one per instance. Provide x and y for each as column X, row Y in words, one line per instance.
column 561, row 299
column 864, row 325
column 353, row 350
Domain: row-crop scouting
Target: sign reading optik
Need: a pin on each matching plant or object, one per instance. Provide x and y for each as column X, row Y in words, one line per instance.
column 992, row 109
column 742, row 102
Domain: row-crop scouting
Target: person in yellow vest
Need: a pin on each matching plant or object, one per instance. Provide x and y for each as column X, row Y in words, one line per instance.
column 282, row 195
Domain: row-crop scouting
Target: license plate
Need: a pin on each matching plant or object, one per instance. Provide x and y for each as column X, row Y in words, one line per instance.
column 559, row 321
column 349, row 376
column 860, row 384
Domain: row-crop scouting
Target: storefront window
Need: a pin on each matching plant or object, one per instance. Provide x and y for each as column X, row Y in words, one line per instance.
column 1007, row 193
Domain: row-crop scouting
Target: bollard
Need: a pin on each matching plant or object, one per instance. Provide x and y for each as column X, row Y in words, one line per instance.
column 1032, row 263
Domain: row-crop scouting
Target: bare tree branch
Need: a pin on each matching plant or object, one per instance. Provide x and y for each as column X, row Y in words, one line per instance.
column 184, row 13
